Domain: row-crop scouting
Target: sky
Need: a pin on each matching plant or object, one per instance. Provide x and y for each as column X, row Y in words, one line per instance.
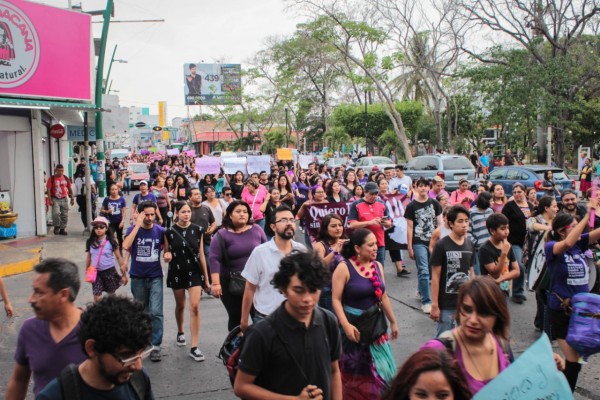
column 230, row 31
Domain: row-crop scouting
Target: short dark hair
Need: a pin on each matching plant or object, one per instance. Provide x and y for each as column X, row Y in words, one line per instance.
column 309, row 267
column 278, row 210
column 495, row 221
column 64, row 274
column 388, row 168
column 116, row 322
column 400, row 167
column 567, row 192
column 483, row 200
column 192, row 66
column 454, row 211
column 146, row 204
column 422, row 182
column 59, row 166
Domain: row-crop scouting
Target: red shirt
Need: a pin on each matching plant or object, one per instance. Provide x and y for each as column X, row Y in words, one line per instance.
column 60, row 188
column 362, row 211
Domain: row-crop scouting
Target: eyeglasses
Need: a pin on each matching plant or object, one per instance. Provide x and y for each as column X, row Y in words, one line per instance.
column 100, row 227
column 132, row 360
column 286, row 221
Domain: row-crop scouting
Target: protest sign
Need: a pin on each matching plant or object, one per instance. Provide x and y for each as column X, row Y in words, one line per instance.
column 191, row 153
column 284, row 155
column 208, row 165
column 233, row 164
column 173, row 152
column 304, row 160
column 396, row 205
column 532, row 376
column 256, row 164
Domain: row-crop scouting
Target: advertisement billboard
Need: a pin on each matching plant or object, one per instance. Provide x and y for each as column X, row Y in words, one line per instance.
column 212, row 83
column 45, row 52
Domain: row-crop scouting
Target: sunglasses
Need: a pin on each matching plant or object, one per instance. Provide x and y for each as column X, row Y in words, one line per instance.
column 226, row 194
column 100, row 227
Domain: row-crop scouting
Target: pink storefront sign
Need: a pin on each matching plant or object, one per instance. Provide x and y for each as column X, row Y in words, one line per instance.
column 45, row 52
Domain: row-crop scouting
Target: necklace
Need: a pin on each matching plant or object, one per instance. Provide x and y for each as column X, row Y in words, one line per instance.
column 491, row 352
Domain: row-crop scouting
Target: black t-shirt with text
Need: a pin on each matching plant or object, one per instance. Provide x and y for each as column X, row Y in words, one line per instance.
column 455, row 260
column 424, row 218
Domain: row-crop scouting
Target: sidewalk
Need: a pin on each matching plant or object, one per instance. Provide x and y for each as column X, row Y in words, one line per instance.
column 18, row 256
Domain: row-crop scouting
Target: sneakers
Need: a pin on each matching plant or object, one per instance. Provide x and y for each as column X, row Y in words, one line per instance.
column 62, row 232
column 426, row 308
column 418, row 295
column 181, row 339
column 155, row 355
column 403, row 273
column 196, row 354
column 56, row 230
column 519, row 299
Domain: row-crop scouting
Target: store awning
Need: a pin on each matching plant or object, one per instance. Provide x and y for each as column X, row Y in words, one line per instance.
column 47, row 104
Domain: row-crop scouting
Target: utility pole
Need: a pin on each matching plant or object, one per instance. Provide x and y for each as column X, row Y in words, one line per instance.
column 286, row 127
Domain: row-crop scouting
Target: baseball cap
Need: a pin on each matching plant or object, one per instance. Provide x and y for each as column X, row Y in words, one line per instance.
column 100, row 221
column 375, row 168
column 371, row 188
column 143, row 183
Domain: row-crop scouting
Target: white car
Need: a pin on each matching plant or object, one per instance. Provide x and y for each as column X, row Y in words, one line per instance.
column 367, row 163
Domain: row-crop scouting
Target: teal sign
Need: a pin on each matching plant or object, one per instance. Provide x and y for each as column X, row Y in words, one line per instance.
column 75, row 134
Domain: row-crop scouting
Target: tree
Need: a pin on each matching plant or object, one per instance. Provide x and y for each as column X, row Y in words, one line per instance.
column 554, row 34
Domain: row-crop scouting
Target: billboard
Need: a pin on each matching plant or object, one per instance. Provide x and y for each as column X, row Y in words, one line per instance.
column 212, row 83
column 45, row 52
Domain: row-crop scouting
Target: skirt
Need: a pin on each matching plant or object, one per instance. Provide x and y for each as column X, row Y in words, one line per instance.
column 107, row 280
column 367, row 370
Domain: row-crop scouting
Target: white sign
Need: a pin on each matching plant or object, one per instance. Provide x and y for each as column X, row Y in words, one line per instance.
column 304, row 160
column 256, row 164
column 233, row 164
column 173, row 152
column 76, row 134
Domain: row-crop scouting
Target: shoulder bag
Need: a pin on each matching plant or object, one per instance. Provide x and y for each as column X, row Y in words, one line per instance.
column 91, row 273
column 237, row 283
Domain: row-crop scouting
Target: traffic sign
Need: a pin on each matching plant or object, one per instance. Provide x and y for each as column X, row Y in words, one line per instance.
column 57, row 131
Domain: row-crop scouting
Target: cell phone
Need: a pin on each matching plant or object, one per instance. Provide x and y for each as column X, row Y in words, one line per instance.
column 385, row 218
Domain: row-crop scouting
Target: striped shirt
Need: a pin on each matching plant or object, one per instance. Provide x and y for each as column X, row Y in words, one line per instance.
column 478, row 232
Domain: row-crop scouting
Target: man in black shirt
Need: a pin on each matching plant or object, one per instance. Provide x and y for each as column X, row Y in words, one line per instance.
column 295, row 350
column 452, row 263
column 194, row 82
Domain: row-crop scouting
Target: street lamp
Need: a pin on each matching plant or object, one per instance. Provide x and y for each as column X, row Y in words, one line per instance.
column 112, row 60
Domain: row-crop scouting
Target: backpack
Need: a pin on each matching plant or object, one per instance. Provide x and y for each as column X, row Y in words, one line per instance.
column 69, row 382
column 447, row 339
column 584, row 326
column 230, row 352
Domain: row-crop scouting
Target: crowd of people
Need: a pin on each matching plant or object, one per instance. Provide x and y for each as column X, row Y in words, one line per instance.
column 234, row 237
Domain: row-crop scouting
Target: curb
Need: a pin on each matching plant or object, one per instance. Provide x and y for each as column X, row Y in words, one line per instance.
column 23, row 266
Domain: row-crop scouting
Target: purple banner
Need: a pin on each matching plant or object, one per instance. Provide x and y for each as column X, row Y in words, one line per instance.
column 396, row 205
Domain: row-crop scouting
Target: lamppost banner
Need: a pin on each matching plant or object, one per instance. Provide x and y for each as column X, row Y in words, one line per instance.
column 45, row 52
column 212, row 83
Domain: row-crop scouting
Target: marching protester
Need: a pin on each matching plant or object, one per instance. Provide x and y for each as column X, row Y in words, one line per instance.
column 114, row 208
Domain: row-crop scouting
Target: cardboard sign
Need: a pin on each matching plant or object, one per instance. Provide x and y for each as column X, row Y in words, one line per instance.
column 256, row 164
column 233, row 164
column 532, row 376
column 208, row 165
column 304, row 160
column 284, row 154
column 190, row 153
column 173, row 152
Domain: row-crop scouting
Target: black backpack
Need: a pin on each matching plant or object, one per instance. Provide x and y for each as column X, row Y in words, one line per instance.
column 71, row 389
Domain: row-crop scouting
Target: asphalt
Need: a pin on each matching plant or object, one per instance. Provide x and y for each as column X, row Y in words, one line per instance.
column 178, row 376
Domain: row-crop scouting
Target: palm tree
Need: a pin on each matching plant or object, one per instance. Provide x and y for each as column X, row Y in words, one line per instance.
column 275, row 139
column 335, row 137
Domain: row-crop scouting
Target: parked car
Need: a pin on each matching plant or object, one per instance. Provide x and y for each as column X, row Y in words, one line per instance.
column 530, row 176
column 140, row 173
column 336, row 162
column 367, row 163
column 450, row 167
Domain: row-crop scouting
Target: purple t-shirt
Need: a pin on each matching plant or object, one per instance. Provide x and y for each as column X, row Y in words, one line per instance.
column 569, row 271
column 239, row 247
column 474, row 384
column 138, row 198
column 107, row 258
column 116, row 206
column 145, row 252
column 45, row 358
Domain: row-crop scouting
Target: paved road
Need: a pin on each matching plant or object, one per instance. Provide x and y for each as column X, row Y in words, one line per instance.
column 178, row 376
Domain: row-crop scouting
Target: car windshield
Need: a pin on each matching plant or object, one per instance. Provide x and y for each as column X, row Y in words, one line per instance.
column 138, row 168
column 336, row 161
column 381, row 160
column 456, row 163
column 558, row 175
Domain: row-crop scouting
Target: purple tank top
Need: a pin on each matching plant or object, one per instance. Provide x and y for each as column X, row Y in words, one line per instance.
column 359, row 291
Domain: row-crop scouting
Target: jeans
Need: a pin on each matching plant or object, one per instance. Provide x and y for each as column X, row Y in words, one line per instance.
column 446, row 322
column 261, row 223
column 127, row 185
column 476, row 266
column 380, row 255
column 149, row 291
column 422, row 260
column 518, row 288
column 307, row 241
column 206, row 255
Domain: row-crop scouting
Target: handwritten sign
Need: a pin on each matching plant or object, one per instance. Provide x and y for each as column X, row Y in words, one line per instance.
column 173, row 152
column 532, row 376
column 304, row 160
column 284, row 154
column 233, row 164
column 208, row 165
column 256, row 164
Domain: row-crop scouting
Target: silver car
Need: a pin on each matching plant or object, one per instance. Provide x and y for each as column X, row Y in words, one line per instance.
column 367, row 163
column 450, row 167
